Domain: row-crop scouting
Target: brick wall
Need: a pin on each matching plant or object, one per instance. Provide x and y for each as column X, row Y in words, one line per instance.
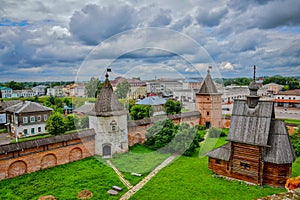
column 26, row 157
column 137, row 129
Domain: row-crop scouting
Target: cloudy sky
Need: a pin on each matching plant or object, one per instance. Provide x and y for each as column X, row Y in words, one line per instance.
column 74, row 40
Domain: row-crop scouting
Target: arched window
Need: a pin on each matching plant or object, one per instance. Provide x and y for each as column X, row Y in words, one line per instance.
column 113, row 125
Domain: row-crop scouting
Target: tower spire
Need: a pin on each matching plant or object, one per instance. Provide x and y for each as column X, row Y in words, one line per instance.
column 252, row 99
column 254, row 72
column 209, row 68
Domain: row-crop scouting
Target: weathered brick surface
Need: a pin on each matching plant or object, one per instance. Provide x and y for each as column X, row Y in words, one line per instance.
column 34, row 159
column 137, row 134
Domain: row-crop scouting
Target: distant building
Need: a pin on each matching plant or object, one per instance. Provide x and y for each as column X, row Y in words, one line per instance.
column 56, row 91
column 156, row 102
column 288, row 99
column 6, row 92
column 259, row 148
column 39, row 90
column 138, row 89
column 27, row 118
column 164, row 86
column 23, row 93
column 234, row 92
column 77, row 90
column 273, row 88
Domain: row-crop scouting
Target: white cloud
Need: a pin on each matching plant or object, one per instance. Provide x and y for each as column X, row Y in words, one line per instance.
column 226, row 66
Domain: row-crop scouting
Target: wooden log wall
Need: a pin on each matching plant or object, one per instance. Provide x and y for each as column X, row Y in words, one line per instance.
column 221, row 168
column 276, row 174
column 246, row 162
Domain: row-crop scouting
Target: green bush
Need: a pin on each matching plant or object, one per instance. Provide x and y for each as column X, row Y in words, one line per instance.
column 295, row 139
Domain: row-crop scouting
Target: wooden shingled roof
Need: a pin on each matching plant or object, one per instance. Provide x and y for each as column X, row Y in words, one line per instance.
column 6, row 104
column 222, row 152
column 45, row 141
column 281, row 150
column 251, row 125
column 208, row 86
column 107, row 103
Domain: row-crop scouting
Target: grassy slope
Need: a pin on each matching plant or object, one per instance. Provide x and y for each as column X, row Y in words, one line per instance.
column 64, row 182
column 189, row 178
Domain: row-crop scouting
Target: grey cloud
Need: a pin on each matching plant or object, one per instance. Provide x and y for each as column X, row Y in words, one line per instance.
column 182, row 23
column 94, row 23
column 211, row 17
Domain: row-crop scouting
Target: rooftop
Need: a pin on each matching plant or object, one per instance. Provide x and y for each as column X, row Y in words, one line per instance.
column 27, row 107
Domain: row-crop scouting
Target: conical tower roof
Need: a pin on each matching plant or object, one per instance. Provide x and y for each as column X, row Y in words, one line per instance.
column 107, row 103
column 208, row 86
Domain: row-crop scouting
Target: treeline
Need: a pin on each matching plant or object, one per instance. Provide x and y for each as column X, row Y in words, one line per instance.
column 288, row 83
column 26, row 85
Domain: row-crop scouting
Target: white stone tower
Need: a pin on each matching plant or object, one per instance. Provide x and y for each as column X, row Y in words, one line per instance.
column 109, row 120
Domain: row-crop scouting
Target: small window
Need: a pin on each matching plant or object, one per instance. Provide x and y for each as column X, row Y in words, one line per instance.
column 207, row 98
column 25, row 132
column 207, row 113
column 45, row 117
column 25, row 120
column 39, row 129
column 32, row 118
column 113, row 125
column 245, row 165
column 39, row 118
column 32, row 130
column 218, row 161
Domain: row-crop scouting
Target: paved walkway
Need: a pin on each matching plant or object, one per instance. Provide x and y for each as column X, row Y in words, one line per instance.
column 143, row 182
column 121, row 177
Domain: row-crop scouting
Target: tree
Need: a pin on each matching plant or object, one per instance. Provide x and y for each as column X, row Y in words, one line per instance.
column 93, row 87
column 160, row 134
column 139, row 112
column 55, row 124
column 84, row 122
column 70, row 122
column 172, row 107
column 122, row 89
column 171, row 138
column 295, row 139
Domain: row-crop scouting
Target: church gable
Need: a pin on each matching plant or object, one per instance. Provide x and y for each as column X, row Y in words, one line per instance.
column 251, row 125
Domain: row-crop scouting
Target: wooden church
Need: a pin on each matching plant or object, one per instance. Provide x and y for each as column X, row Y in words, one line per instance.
column 259, row 150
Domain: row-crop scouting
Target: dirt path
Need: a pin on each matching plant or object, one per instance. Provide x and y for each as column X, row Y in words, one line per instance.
column 143, row 182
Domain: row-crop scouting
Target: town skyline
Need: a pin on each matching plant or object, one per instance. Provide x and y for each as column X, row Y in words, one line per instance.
column 52, row 41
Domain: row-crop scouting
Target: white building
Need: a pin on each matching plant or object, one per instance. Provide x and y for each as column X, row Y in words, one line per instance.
column 109, row 120
column 289, row 98
column 39, row 90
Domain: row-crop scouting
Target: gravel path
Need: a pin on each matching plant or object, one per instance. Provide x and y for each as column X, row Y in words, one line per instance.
column 143, row 182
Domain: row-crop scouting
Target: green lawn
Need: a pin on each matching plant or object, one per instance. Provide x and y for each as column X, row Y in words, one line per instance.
column 296, row 168
column 139, row 160
column 186, row 178
column 292, row 121
column 64, row 182
column 190, row 178
column 3, row 130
